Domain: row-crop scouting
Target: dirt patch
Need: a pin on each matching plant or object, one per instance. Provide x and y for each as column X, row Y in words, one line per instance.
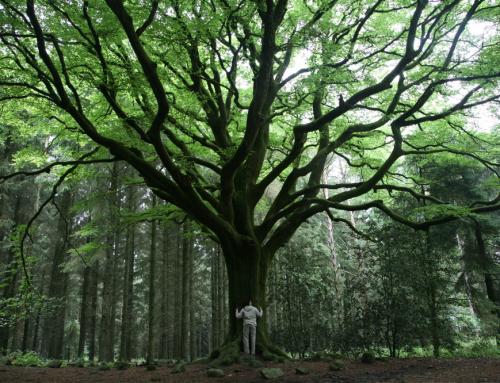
column 425, row 370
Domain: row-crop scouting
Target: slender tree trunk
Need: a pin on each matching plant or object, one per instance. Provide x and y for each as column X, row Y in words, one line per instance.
column 151, row 297
column 53, row 333
column 107, row 324
column 331, row 237
column 186, row 301
column 36, row 330
column 465, row 272
column 83, row 311
column 11, row 275
column 115, row 294
column 192, row 318
column 128, row 302
column 25, row 334
column 126, row 351
column 219, row 322
column 222, row 299
column 164, row 305
column 178, row 293
column 214, row 283
column 436, row 341
column 108, row 312
column 26, row 331
column 93, row 311
column 109, row 298
column 432, row 296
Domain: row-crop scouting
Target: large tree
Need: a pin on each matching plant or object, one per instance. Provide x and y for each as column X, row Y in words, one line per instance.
column 230, row 110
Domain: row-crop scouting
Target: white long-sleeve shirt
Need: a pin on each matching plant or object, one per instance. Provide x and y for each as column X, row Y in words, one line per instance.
column 249, row 315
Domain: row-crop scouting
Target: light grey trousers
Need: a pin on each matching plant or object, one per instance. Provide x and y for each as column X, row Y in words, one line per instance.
column 249, row 333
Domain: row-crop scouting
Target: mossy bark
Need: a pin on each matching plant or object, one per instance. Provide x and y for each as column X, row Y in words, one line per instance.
column 247, row 268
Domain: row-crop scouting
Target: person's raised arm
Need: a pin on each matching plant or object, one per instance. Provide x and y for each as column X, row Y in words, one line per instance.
column 260, row 312
column 238, row 313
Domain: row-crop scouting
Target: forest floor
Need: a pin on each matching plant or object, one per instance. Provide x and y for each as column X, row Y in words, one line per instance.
column 413, row 370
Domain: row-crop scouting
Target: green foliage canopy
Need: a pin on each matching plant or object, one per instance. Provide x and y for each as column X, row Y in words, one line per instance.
column 231, row 110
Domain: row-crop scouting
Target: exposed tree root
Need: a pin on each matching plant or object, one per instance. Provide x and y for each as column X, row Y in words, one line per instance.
column 229, row 353
column 273, row 353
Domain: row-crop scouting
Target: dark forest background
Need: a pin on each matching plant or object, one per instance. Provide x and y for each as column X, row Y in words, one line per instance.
column 116, row 275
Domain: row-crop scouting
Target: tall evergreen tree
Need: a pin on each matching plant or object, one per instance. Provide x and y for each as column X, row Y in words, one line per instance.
column 53, row 332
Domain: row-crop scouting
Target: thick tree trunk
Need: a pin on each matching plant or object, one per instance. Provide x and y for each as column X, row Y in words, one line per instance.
column 247, row 269
column 247, row 275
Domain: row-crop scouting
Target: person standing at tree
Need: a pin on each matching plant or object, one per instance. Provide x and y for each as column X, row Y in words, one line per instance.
column 249, row 314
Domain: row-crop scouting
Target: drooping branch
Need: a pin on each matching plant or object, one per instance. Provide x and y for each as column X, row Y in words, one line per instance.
column 149, row 20
column 350, row 225
column 492, row 166
column 378, row 204
column 288, row 226
column 387, row 187
column 67, row 234
column 52, row 195
column 48, row 168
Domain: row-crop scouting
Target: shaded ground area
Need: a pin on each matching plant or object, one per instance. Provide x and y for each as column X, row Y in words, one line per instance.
column 480, row 370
